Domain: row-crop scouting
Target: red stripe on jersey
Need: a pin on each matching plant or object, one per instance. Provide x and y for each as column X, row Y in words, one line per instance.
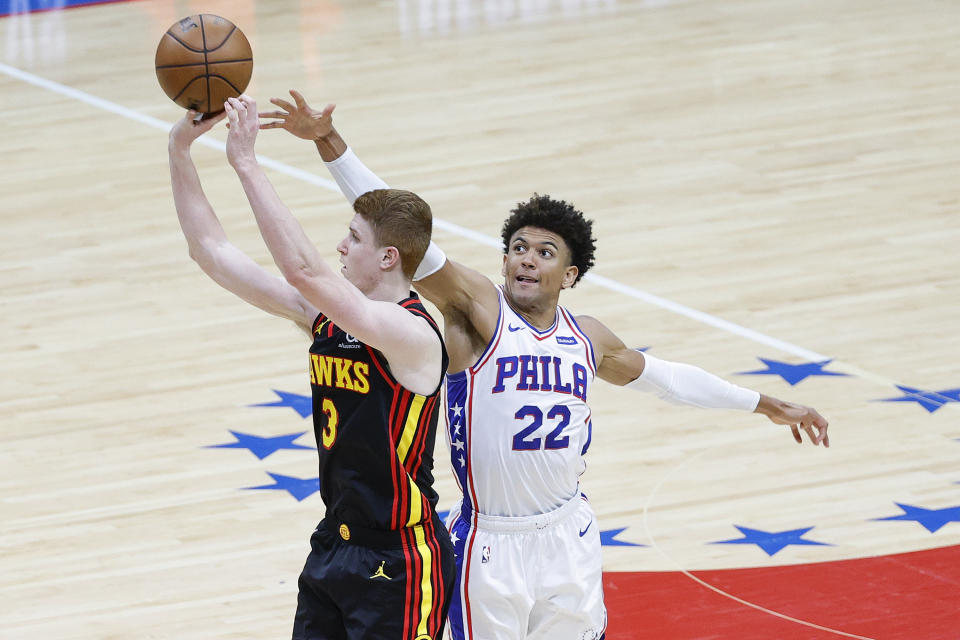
column 466, row 577
column 416, row 581
column 383, row 373
column 394, row 463
column 408, row 596
column 439, row 592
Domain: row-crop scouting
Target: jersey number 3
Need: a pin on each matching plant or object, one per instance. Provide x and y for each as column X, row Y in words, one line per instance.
column 333, row 418
column 523, row 440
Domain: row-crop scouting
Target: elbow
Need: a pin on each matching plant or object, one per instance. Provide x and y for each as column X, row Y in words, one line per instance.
column 298, row 275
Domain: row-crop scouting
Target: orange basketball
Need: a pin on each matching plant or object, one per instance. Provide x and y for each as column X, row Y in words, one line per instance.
column 202, row 60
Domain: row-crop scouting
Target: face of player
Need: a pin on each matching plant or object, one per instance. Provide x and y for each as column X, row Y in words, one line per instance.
column 360, row 255
column 536, row 268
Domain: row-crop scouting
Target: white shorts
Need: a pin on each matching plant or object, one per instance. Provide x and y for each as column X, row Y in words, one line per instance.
column 536, row 577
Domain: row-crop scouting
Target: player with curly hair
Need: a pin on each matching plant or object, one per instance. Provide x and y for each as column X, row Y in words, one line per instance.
column 521, row 368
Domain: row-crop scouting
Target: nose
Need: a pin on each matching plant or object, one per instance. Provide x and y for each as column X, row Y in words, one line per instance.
column 342, row 247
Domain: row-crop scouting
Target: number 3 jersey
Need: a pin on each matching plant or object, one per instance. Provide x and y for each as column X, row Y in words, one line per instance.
column 518, row 419
column 375, row 438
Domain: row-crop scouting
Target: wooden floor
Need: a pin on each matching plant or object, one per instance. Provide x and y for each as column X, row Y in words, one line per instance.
column 768, row 179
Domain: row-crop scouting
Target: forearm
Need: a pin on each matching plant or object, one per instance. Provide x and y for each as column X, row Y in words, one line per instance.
column 197, row 220
column 352, row 176
column 688, row 385
column 289, row 245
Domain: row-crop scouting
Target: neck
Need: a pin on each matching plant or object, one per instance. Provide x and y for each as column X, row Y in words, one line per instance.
column 390, row 290
column 539, row 314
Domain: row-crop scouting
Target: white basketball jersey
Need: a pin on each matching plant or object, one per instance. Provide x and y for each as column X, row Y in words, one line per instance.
column 518, row 419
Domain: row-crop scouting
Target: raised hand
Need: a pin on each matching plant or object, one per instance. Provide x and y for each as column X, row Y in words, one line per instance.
column 299, row 119
column 242, row 114
column 188, row 128
column 798, row 417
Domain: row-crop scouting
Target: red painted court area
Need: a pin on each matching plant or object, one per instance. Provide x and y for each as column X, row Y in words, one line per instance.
column 909, row 596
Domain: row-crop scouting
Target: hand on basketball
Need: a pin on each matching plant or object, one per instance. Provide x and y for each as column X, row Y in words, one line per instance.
column 243, row 124
column 798, row 417
column 189, row 128
column 299, row 119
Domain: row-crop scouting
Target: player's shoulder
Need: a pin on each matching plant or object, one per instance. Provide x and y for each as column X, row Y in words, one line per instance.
column 600, row 335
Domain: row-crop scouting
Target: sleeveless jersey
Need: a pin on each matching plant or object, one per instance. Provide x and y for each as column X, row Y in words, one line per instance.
column 518, row 419
column 375, row 438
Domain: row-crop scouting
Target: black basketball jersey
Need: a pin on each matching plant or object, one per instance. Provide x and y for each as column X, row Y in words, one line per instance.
column 374, row 437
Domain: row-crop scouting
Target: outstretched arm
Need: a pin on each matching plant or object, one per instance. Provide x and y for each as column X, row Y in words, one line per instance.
column 407, row 342
column 689, row 385
column 460, row 293
column 208, row 244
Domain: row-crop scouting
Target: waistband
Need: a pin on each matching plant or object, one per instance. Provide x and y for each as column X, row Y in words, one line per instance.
column 378, row 538
column 519, row 524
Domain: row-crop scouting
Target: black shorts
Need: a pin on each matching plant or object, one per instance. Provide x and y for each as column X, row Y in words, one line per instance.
column 368, row 584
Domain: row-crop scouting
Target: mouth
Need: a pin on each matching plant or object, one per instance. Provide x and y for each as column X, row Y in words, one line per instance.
column 524, row 279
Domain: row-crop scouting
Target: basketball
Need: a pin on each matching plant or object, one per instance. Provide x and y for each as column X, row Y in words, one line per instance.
column 202, row 60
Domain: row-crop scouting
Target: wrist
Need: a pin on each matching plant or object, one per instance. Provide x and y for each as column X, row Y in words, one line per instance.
column 330, row 145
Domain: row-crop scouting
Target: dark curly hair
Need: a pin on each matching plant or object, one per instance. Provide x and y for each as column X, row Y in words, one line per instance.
column 556, row 216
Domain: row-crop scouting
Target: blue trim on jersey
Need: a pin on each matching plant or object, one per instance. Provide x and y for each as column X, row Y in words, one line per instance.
column 593, row 355
column 493, row 339
column 552, row 327
column 457, row 421
column 586, row 445
column 460, row 531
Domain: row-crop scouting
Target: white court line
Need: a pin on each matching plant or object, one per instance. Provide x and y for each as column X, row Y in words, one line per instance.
column 479, row 238
column 156, row 123
column 681, row 569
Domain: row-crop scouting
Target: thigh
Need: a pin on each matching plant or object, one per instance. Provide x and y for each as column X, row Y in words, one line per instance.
column 318, row 617
column 397, row 594
column 569, row 596
column 491, row 600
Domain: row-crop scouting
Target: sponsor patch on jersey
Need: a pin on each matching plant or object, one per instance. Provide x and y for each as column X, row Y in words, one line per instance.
column 566, row 340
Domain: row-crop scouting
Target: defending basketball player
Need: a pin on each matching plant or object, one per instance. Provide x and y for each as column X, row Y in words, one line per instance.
column 381, row 562
column 521, row 368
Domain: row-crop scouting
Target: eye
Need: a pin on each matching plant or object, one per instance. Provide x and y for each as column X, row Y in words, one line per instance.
column 519, row 248
column 546, row 253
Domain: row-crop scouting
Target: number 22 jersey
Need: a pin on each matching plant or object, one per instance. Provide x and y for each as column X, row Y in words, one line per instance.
column 518, row 419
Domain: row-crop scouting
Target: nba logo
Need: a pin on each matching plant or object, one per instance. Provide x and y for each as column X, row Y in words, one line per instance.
column 485, row 557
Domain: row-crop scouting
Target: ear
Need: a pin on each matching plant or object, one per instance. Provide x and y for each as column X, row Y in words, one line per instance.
column 569, row 277
column 389, row 258
column 503, row 267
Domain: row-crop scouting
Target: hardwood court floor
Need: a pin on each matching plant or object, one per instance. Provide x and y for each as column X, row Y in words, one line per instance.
column 768, row 179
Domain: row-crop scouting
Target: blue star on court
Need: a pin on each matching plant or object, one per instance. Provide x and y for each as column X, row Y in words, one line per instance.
column 261, row 447
column 609, row 539
column 793, row 373
column 773, row 541
column 301, row 404
column 931, row 519
column 299, row 488
column 929, row 400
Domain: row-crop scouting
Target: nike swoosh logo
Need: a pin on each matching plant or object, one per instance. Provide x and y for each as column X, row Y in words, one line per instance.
column 584, row 532
column 512, row 328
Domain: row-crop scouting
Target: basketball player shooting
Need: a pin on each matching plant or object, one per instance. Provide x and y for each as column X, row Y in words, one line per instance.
column 521, row 368
column 381, row 562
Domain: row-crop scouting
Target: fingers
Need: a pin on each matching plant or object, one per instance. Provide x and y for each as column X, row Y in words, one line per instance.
column 328, row 110
column 796, row 434
column 301, row 103
column 283, row 104
column 282, row 115
column 271, row 125
column 231, row 111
